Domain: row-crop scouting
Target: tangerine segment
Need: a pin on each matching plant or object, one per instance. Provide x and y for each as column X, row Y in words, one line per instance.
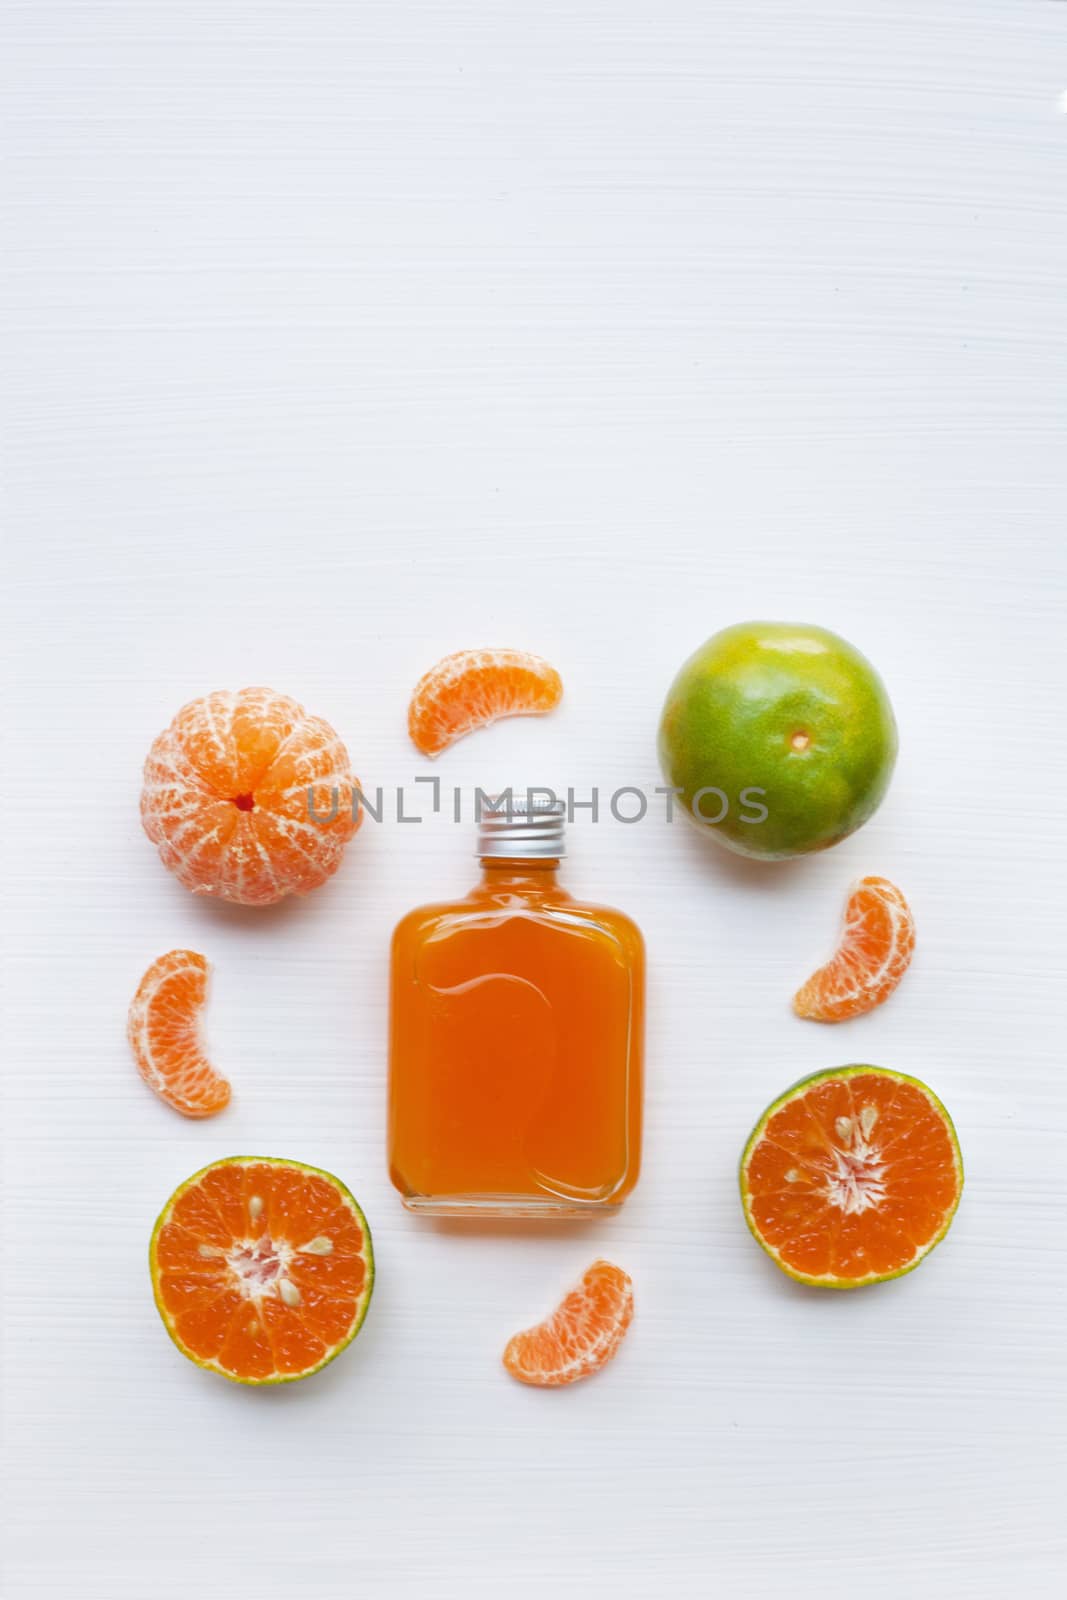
column 248, row 798
column 474, row 687
column 164, row 1031
column 262, row 1269
column 580, row 1336
column 875, row 952
column 851, row 1177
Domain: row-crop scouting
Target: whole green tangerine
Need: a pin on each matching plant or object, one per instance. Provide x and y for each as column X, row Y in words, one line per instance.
column 779, row 737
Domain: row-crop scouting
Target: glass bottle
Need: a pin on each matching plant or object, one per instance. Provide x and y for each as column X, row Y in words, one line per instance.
column 516, row 1039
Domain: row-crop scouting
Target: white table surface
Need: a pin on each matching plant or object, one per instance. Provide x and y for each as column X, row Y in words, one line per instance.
column 342, row 335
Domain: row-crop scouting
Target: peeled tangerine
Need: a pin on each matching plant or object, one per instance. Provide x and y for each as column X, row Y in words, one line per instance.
column 580, row 1336
column 249, row 798
column 262, row 1269
column 851, row 1176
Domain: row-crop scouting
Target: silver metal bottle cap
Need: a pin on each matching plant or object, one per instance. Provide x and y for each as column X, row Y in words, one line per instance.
column 522, row 827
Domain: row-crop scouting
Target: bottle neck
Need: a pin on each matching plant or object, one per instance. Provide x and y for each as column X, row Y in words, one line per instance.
column 500, row 873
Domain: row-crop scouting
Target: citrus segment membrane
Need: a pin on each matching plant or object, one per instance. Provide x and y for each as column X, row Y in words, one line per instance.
column 248, row 798
column 875, row 951
column 582, row 1334
column 475, row 687
column 262, row 1269
column 164, row 1032
column 852, row 1176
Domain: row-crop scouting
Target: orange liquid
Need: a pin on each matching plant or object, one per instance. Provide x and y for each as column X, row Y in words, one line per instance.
column 517, row 1024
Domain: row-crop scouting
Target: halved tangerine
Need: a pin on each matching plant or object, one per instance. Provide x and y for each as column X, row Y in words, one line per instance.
column 164, row 1032
column 875, row 951
column 580, row 1336
column 262, row 1269
column 474, row 687
column 851, row 1176
column 249, row 798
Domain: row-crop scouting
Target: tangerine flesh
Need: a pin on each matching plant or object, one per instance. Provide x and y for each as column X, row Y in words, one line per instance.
column 851, row 1177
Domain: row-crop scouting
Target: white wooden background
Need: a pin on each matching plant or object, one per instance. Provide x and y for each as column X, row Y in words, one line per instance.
column 341, row 335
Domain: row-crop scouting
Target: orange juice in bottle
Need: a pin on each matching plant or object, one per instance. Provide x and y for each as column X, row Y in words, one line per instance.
column 516, row 1038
